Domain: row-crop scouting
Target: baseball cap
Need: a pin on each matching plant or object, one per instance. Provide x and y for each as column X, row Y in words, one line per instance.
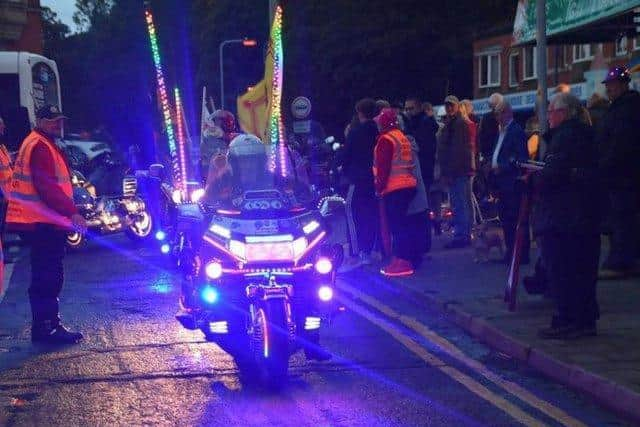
column 451, row 99
column 49, row 112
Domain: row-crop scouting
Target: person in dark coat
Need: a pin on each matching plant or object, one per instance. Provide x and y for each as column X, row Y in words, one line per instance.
column 362, row 205
column 567, row 220
column 455, row 155
column 423, row 129
column 511, row 146
column 619, row 142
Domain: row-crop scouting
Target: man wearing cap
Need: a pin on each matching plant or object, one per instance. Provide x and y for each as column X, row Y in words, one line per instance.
column 619, row 141
column 455, row 155
column 41, row 208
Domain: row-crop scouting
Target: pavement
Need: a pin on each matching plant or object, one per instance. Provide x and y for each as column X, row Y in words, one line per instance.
column 606, row 367
column 396, row 360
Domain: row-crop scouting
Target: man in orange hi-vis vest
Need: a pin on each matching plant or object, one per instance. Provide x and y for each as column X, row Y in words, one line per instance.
column 41, row 209
column 395, row 183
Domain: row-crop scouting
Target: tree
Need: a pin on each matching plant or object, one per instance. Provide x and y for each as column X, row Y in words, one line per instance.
column 54, row 32
column 91, row 12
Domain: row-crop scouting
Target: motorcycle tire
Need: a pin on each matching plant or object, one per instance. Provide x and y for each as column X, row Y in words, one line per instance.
column 141, row 230
column 271, row 333
column 75, row 241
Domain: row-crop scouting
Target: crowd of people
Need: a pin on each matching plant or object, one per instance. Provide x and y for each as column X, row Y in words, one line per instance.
column 397, row 158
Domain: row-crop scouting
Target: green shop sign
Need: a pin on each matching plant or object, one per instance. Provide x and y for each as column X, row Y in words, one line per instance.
column 565, row 15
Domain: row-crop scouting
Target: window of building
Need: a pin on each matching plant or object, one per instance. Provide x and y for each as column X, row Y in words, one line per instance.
column 622, row 46
column 490, row 70
column 636, row 43
column 514, row 69
column 530, row 63
column 582, row 52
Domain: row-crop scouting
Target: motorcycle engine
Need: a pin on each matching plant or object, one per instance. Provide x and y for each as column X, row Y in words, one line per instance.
column 107, row 210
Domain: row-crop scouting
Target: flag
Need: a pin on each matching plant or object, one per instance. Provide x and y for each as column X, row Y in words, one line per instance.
column 254, row 106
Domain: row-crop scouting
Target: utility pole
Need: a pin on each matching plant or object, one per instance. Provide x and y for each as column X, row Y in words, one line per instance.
column 272, row 9
column 541, row 42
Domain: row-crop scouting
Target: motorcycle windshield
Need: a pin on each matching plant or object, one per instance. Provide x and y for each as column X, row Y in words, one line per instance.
column 256, row 179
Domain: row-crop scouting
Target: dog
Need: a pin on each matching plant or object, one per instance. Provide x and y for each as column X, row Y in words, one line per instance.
column 485, row 236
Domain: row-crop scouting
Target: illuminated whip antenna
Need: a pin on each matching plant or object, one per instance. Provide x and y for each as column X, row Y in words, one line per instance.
column 276, row 127
column 164, row 99
column 181, row 126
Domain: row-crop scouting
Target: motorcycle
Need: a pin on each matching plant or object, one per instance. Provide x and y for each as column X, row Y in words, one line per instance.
column 258, row 271
column 110, row 214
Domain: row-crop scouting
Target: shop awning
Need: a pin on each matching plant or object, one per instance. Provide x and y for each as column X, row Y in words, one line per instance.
column 576, row 21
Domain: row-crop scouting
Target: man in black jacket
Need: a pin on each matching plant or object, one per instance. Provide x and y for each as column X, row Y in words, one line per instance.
column 567, row 220
column 620, row 152
column 423, row 129
column 362, row 205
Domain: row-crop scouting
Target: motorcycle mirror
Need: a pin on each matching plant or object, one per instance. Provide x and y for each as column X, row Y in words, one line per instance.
column 331, row 205
column 156, row 170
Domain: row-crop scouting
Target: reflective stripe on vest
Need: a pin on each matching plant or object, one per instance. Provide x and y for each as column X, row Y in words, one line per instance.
column 402, row 164
column 25, row 204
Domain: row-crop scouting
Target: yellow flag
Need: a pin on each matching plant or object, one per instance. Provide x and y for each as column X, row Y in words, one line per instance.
column 254, row 106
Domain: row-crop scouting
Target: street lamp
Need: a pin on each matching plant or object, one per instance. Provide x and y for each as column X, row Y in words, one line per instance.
column 246, row 43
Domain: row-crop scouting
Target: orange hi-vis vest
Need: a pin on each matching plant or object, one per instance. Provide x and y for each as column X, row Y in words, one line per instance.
column 6, row 171
column 25, row 204
column 402, row 174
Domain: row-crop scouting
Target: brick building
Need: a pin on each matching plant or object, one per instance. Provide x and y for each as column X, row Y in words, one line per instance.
column 21, row 26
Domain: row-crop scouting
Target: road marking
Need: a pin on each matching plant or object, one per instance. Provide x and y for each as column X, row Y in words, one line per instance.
column 449, row 348
column 468, row 382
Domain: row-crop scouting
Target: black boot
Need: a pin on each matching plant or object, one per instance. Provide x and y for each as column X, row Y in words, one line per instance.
column 46, row 327
column 52, row 332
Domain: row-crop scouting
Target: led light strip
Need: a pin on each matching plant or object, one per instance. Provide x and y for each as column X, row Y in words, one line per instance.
column 276, row 127
column 180, row 125
column 164, row 99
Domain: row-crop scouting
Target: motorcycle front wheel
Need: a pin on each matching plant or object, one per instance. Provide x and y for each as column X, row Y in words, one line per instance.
column 75, row 240
column 141, row 227
column 271, row 343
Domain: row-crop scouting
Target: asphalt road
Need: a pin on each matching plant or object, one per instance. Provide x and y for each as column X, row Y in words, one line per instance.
column 395, row 363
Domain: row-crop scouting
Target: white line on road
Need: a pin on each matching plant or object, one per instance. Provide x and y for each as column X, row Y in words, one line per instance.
column 449, row 348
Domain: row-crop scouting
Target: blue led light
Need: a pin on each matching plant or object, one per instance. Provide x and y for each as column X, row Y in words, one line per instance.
column 161, row 235
column 209, row 295
column 165, row 249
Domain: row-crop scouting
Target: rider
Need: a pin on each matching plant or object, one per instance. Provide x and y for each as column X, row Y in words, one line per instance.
column 218, row 134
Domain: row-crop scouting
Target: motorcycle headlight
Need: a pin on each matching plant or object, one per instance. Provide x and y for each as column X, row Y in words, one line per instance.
column 238, row 249
column 299, row 246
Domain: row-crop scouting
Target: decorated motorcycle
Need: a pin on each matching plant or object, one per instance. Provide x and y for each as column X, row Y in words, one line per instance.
column 126, row 212
column 258, row 271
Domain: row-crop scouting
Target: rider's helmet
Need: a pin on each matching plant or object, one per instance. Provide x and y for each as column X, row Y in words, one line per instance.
column 225, row 120
column 248, row 160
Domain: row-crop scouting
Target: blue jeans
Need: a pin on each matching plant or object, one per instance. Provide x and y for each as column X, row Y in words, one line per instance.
column 460, row 196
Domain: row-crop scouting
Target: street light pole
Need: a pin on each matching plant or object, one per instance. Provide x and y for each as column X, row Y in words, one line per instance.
column 245, row 42
column 541, row 42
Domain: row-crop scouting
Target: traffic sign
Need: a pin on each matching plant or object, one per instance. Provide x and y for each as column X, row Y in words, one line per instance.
column 301, row 107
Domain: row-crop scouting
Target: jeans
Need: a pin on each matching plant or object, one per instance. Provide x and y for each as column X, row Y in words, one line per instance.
column 396, row 205
column 460, row 195
column 47, row 245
